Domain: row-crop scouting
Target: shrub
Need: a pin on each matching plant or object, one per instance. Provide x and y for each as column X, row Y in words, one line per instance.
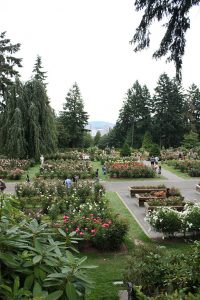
column 165, row 220
column 126, row 150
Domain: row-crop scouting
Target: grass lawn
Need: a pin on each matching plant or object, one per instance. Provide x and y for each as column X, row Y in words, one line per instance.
column 31, row 171
column 176, row 172
column 111, row 265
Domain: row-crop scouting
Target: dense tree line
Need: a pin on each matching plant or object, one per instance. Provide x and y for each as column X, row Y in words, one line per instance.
column 29, row 126
column 164, row 117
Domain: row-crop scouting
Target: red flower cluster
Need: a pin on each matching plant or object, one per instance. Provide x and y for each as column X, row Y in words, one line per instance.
column 127, row 165
column 86, row 227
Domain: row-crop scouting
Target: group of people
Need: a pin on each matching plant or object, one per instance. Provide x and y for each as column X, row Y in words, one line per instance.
column 154, row 164
column 68, row 181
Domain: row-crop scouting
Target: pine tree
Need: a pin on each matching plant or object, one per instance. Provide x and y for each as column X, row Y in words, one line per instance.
column 8, row 62
column 168, row 112
column 73, row 117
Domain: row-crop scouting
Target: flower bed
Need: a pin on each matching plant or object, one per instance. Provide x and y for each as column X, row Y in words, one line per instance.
column 130, row 170
column 66, row 168
column 175, row 202
column 169, row 221
column 84, row 206
column 14, row 168
column 145, row 189
column 147, row 196
column 191, row 167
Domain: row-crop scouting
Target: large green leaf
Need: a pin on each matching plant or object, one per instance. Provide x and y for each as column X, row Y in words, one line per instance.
column 71, row 291
column 37, row 290
column 29, row 281
column 37, row 259
column 54, row 296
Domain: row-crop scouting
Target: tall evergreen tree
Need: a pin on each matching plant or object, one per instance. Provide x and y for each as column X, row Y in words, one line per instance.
column 97, row 138
column 40, row 124
column 192, row 108
column 12, row 134
column 8, row 63
column 27, row 122
column 38, row 74
column 73, row 117
column 134, row 117
column 168, row 112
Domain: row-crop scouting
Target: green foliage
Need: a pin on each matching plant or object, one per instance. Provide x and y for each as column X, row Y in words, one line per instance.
column 97, row 138
column 191, row 140
column 28, row 122
column 177, row 25
column 165, row 220
column 154, row 150
column 73, row 117
column 32, row 263
column 147, row 141
column 8, row 62
column 161, row 274
column 126, row 150
column 134, row 116
column 168, row 121
column 37, row 70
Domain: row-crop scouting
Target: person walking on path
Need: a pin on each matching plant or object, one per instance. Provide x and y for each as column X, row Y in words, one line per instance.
column 152, row 160
column 97, row 175
column 2, row 185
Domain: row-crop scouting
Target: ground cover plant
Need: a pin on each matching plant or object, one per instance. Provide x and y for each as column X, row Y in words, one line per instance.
column 14, row 168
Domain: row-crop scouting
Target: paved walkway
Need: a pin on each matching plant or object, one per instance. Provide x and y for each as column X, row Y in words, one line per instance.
column 186, row 186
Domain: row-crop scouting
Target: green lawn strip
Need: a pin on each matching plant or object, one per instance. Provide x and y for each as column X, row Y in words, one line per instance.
column 110, row 269
column 31, row 172
column 135, row 231
column 176, row 172
column 97, row 165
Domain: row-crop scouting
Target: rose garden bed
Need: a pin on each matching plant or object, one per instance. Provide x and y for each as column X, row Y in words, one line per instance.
column 146, row 189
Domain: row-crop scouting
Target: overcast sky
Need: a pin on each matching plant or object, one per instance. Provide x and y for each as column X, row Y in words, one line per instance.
column 87, row 41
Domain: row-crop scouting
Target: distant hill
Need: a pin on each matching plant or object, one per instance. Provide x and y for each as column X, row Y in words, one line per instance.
column 101, row 126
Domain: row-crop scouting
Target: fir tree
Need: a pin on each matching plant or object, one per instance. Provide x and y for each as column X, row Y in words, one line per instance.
column 192, row 108
column 73, row 117
column 134, row 117
column 38, row 74
column 168, row 127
